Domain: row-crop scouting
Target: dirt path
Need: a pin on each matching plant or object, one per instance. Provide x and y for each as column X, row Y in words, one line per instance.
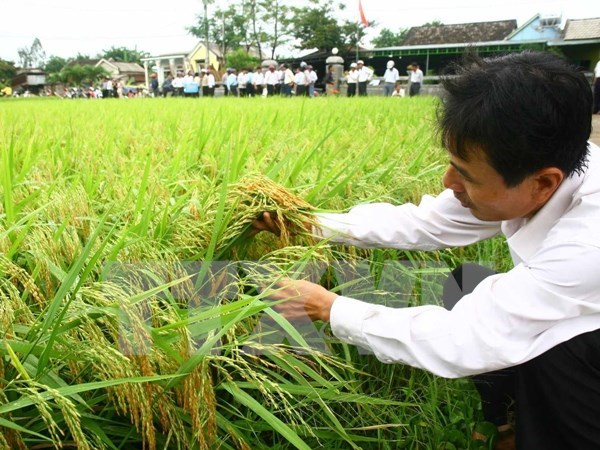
column 595, row 137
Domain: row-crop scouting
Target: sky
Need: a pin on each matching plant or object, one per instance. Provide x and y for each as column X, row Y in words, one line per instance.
column 68, row 27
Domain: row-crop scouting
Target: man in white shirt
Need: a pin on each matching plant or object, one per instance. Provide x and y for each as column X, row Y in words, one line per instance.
column 520, row 165
column 390, row 77
column 287, row 83
column 352, row 79
column 258, row 81
column 311, row 80
column 364, row 76
column 242, row 82
column 416, row 80
column 300, row 82
column 271, row 80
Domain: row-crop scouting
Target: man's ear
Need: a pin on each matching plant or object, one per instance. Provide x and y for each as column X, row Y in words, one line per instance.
column 546, row 182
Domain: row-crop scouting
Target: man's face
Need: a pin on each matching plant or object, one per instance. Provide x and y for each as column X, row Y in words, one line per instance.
column 479, row 187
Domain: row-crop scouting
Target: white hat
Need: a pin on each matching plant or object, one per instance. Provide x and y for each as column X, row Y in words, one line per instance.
column 353, row 65
column 390, row 64
column 360, row 61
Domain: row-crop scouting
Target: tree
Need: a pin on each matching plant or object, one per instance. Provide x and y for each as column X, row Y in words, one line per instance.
column 55, row 64
column 277, row 18
column 244, row 23
column 77, row 75
column 7, row 72
column 316, row 27
column 33, row 56
column 240, row 59
column 81, row 58
column 433, row 23
column 387, row 38
column 123, row 54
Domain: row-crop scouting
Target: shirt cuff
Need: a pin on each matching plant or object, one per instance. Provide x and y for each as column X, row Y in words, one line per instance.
column 347, row 318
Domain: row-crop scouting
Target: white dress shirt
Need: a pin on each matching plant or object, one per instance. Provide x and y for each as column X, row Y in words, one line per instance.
column 352, row 77
column 551, row 295
column 391, row 75
column 416, row 76
column 364, row 74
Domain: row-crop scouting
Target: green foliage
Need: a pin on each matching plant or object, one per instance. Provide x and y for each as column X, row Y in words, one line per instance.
column 109, row 338
column 239, row 59
column 433, row 23
column 78, row 75
column 123, row 54
column 7, row 72
column 54, row 65
column 316, row 26
column 388, row 38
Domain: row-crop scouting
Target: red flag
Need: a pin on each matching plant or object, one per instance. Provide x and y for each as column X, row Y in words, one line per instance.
column 363, row 19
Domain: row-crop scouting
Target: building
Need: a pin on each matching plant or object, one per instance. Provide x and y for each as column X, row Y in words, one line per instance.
column 580, row 41
column 130, row 72
column 32, row 80
column 172, row 63
column 435, row 46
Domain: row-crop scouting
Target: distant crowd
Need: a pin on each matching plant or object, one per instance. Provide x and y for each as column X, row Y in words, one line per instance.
column 274, row 81
column 244, row 83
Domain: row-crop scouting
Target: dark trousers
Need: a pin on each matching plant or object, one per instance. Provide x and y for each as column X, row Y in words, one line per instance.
column 351, row 89
column 555, row 397
column 414, row 89
column 362, row 88
column 301, row 90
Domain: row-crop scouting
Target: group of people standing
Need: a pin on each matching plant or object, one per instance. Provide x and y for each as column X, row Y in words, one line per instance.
column 284, row 81
column 244, row 83
column 189, row 85
column 274, row 81
column 391, row 79
column 359, row 76
column 357, row 79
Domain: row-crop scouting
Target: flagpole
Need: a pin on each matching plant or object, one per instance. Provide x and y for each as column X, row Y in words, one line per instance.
column 357, row 37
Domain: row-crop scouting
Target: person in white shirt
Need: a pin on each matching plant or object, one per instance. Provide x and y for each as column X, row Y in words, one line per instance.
column 596, row 85
column 519, row 165
column 364, row 76
column 288, row 81
column 390, row 77
column 352, row 80
column 311, row 79
column 271, row 80
column 178, row 85
column 258, row 81
column 242, row 82
column 415, row 79
column 300, row 82
column 208, row 83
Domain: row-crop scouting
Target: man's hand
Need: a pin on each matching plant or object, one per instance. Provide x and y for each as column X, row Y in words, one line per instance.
column 303, row 300
column 266, row 222
column 270, row 221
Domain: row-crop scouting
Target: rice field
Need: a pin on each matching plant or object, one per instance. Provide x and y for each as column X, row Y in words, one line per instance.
column 132, row 298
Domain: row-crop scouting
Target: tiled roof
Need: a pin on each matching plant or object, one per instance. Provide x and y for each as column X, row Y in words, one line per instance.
column 582, row 29
column 127, row 66
column 460, row 33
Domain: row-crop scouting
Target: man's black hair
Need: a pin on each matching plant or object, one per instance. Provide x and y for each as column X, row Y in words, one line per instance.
column 526, row 111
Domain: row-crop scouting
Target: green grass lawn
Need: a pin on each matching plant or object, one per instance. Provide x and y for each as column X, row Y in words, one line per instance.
column 128, row 303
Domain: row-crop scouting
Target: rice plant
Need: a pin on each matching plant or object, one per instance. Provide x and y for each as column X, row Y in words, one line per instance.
column 132, row 302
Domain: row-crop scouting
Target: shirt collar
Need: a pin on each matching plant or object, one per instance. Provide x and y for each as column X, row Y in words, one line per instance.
column 524, row 236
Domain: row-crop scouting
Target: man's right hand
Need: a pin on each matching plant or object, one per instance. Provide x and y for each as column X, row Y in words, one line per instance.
column 267, row 221
column 270, row 221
